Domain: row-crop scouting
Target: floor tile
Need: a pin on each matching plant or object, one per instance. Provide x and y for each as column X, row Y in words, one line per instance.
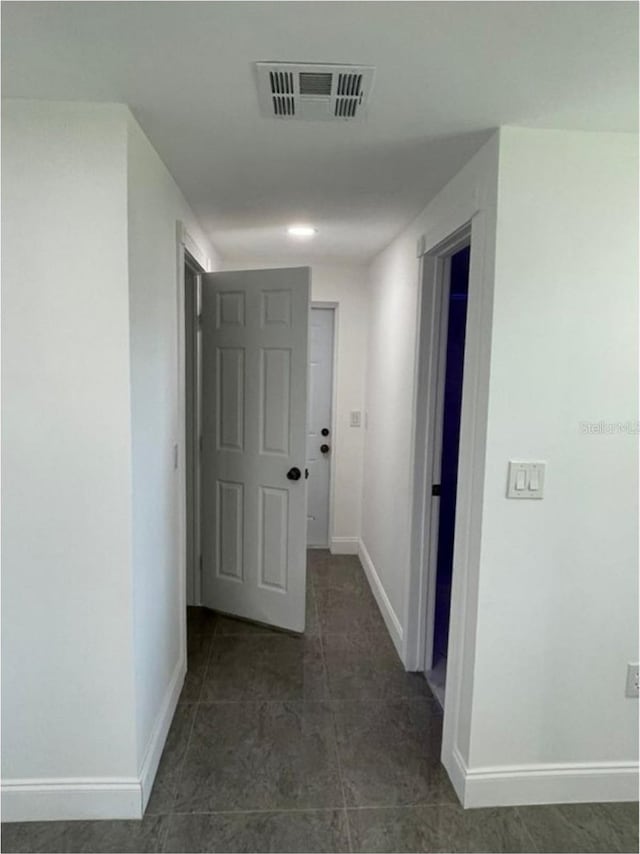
column 311, row 622
column 346, row 612
column 366, row 665
column 198, row 649
column 34, row 836
column 390, row 753
column 268, row 667
column 163, row 793
column 316, row 557
column 319, row 830
column 583, row 827
column 437, row 828
column 86, row 836
column 262, row 756
column 341, row 573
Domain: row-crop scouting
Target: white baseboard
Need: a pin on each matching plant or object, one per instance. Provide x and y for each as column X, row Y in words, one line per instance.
column 160, row 731
column 69, row 799
column 389, row 615
column 573, row 783
column 89, row 797
column 344, row 545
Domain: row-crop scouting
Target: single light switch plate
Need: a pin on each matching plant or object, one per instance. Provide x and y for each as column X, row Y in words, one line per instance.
column 526, row 479
column 355, row 418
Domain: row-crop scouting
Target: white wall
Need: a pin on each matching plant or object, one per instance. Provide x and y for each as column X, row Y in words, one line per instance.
column 93, row 614
column 345, row 285
column 545, row 604
column 391, row 359
column 558, row 580
column 67, row 674
column 155, row 204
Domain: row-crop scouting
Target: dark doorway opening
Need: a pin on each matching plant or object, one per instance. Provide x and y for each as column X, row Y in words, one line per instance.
column 452, row 406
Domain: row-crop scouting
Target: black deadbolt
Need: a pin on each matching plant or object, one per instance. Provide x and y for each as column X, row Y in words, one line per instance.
column 324, row 449
column 294, row 473
column 325, row 431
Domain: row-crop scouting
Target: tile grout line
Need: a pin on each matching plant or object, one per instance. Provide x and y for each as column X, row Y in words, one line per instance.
column 196, row 703
column 336, row 808
column 333, row 727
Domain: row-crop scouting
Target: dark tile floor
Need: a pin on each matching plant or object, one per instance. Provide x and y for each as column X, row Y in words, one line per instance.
column 321, row 743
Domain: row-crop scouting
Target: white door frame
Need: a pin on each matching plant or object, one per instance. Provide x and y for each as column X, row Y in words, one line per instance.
column 335, row 307
column 185, row 244
column 436, row 285
column 196, row 580
column 477, row 216
column 427, row 439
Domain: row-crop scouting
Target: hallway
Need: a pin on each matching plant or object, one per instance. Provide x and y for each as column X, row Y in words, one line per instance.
column 321, row 743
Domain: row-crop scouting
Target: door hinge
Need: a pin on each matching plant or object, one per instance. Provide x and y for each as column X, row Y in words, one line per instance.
column 199, row 319
column 435, row 489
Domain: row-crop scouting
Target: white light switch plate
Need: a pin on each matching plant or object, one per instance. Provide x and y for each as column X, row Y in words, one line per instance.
column 526, row 479
column 354, row 420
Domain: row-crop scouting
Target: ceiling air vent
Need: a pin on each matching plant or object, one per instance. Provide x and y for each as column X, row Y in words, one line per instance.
column 288, row 90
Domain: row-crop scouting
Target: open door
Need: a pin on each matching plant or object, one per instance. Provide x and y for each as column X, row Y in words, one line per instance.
column 254, row 405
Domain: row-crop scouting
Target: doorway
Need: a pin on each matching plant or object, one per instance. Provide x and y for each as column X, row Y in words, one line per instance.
column 320, row 424
column 454, row 318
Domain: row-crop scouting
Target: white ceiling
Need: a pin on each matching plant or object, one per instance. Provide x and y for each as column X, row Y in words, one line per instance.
column 447, row 73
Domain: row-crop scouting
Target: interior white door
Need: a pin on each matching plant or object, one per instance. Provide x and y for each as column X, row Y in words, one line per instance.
column 254, row 408
column 319, row 439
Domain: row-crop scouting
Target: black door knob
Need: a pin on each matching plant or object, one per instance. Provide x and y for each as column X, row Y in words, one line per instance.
column 324, row 449
column 294, row 473
column 325, row 431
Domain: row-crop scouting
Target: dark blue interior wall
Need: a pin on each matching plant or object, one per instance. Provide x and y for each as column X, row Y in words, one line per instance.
column 450, row 443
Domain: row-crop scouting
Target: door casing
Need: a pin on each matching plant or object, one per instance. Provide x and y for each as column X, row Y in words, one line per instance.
column 194, row 581
column 431, row 365
column 186, row 248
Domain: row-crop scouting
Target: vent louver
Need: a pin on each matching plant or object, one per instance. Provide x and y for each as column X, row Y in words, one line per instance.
column 282, row 93
column 313, row 92
column 348, row 95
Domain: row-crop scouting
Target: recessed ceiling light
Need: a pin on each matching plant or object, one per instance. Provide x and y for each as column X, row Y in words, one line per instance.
column 302, row 230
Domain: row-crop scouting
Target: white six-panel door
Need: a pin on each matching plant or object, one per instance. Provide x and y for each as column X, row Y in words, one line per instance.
column 319, row 420
column 254, row 407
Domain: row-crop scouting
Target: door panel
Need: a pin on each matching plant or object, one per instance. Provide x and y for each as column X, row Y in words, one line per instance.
column 320, row 402
column 275, row 406
column 230, row 368
column 254, row 407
